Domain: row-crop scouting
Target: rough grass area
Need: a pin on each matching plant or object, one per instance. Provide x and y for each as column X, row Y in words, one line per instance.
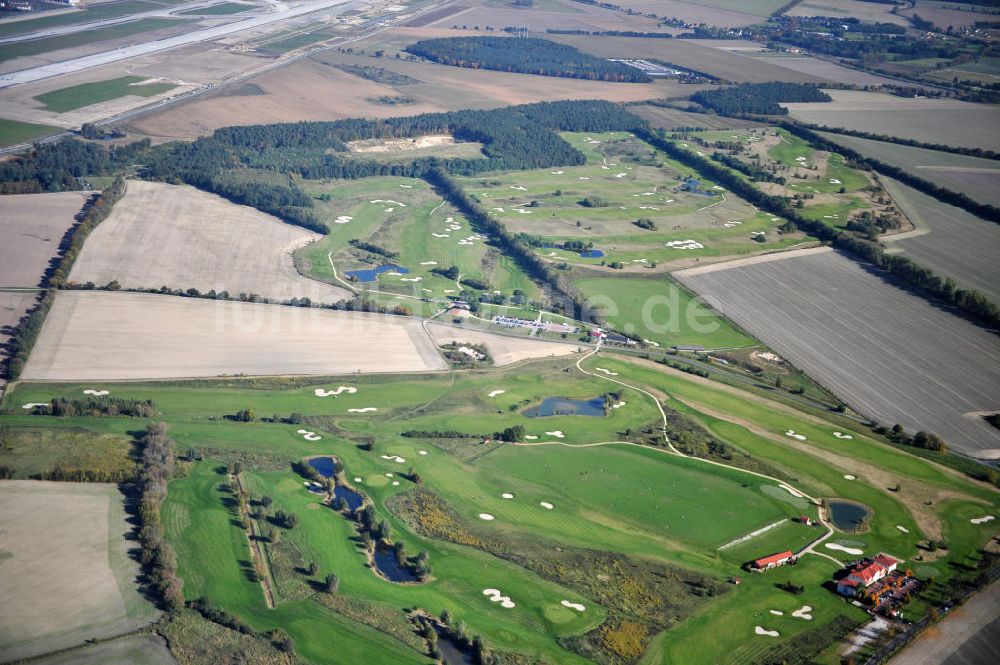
column 31, row 47
column 65, row 454
column 86, row 94
column 13, row 132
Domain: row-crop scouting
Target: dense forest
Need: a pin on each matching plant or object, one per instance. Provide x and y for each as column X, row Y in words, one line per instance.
column 527, row 56
column 758, row 98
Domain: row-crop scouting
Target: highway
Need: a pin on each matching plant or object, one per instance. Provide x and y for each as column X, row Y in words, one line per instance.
column 145, row 48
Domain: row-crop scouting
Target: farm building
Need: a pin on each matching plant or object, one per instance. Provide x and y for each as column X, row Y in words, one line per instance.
column 865, row 573
column 773, row 561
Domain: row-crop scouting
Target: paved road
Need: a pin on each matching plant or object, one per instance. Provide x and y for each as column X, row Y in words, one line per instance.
column 206, row 34
column 970, row 635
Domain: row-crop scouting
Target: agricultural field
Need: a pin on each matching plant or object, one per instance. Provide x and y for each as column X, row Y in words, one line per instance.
column 134, row 650
column 723, row 13
column 181, row 237
column 101, row 335
column 945, row 121
column 416, row 232
column 864, row 11
column 671, row 119
column 938, row 380
column 597, row 206
column 534, row 519
column 31, row 228
column 68, row 576
column 14, row 132
column 946, row 239
column 976, row 177
column 86, row 94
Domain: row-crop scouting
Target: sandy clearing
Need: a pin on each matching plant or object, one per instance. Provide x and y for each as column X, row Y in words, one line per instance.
column 920, row 365
column 31, row 227
column 95, row 335
column 64, row 552
column 503, row 349
column 186, row 238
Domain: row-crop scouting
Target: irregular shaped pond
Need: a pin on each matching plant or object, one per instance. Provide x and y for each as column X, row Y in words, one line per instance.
column 371, row 274
column 591, row 254
column 847, row 515
column 387, row 564
column 327, row 467
column 564, row 406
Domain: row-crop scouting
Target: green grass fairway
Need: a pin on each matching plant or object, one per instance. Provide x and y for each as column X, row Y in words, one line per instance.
column 13, row 132
column 86, row 94
column 661, row 311
column 404, row 215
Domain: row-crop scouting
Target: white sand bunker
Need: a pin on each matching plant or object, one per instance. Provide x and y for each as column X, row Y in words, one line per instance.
column 777, row 613
column 319, row 392
column 31, row 405
column 395, row 483
column 507, row 495
column 389, row 202
column 389, row 475
column 428, row 263
column 792, row 433
column 519, row 188
column 494, row 393
column 558, row 434
column 794, row 492
column 486, row 516
column 573, row 606
column 618, row 405
column 583, row 177
column 395, row 458
column 497, row 597
column 847, row 550
column 530, row 436
column 357, row 480
column 983, row 520
column 803, row 613
column 834, row 181
column 343, row 219
column 606, row 371
column 841, row 435
column 423, row 452
column 367, row 409
column 557, row 172
column 546, row 505
column 309, row 436
column 440, row 235
column 410, row 279
column 848, row 476
column 762, row 631
column 684, row 244
column 902, row 528
column 96, row 393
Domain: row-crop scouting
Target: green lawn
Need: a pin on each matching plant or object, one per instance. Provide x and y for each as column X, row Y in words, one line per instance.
column 13, row 132
column 293, row 42
column 660, row 310
column 86, row 94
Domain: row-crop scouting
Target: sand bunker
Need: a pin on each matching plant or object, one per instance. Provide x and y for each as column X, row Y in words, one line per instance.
column 546, row 505
column 428, row 263
column 343, row 219
column 96, row 393
column 395, row 483
column 558, row 434
column 684, row 244
column 31, row 405
column 494, row 393
column 395, row 458
column 848, row 476
column 497, row 597
column 388, row 201
column 507, row 495
column 423, row 452
column 761, row 631
column 606, row 371
column 777, row 613
column 440, row 235
column 841, row 435
column 341, row 389
column 486, row 516
column 797, row 494
column 357, row 480
column 803, row 613
column 530, row 436
column 367, row 409
column 410, row 279
column 557, row 172
column 902, row 528
column 847, row 550
column 389, row 475
column 983, row 520
column 792, row 433
column 309, row 436
column 618, row 405
column 573, row 606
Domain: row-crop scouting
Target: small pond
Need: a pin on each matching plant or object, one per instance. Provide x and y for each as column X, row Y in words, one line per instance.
column 326, row 466
column 371, row 274
column 591, row 254
column 450, row 653
column 847, row 515
column 564, row 406
column 389, row 566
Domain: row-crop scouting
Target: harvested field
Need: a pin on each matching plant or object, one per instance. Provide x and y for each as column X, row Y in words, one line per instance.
column 978, row 178
column 864, row 11
column 67, row 576
column 505, row 349
column 184, row 238
column 668, row 118
column 717, row 13
column 824, row 69
column 917, row 365
column 94, row 335
column 13, row 305
column 134, row 650
column 945, row 121
column 31, row 228
column 948, row 240
column 943, row 17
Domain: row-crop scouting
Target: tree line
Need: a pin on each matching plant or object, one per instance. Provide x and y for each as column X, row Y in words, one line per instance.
column 527, row 56
column 758, row 98
column 106, row 407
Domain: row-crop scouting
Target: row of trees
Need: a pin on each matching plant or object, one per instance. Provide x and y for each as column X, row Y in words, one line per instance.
column 528, row 56
column 157, row 556
column 108, row 407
